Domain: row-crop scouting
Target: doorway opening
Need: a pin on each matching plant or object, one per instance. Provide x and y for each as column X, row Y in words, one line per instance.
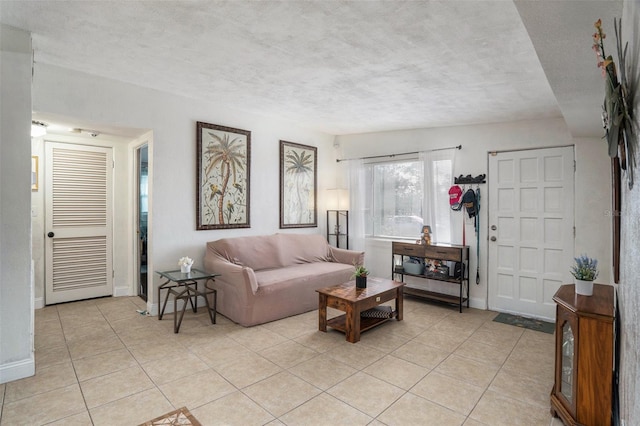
column 142, row 162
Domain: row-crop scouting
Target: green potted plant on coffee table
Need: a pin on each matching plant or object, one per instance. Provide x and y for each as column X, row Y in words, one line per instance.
column 360, row 273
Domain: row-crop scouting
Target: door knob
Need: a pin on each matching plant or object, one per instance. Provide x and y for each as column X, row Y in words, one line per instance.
column 493, row 238
column 493, row 227
column 50, row 234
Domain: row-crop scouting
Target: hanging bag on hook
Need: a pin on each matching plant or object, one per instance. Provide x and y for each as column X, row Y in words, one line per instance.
column 478, row 235
column 470, row 203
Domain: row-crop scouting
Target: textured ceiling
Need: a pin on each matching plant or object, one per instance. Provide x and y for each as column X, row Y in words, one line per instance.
column 339, row 66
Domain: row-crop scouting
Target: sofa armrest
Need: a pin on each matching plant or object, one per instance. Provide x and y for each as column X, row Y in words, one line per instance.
column 242, row 278
column 350, row 257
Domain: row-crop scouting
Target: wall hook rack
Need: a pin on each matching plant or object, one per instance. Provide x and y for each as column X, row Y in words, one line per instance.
column 468, row 179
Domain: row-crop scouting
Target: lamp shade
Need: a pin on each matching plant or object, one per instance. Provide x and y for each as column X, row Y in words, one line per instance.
column 337, row 199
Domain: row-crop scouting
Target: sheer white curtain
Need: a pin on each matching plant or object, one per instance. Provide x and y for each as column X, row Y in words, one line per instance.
column 357, row 190
column 438, row 178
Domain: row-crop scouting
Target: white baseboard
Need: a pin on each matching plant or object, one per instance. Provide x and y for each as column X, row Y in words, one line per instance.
column 38, row 303
column 478, row 303
column 121, row 291
column 152, row 308
column 17, row 370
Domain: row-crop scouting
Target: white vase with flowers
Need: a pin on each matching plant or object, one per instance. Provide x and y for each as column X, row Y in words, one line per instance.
column 185, row 264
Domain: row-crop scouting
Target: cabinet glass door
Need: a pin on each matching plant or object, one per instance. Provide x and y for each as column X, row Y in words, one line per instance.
column 568, row 354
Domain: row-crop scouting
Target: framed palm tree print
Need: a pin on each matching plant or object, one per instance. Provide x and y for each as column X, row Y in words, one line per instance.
column 223, row 166
column 298, row 188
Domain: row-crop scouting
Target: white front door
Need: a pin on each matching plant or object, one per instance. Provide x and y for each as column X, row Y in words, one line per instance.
column 79, row 200
column 531, row 229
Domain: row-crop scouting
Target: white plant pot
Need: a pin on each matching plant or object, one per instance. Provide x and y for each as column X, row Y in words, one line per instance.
column 185, row 268
column 584, row 288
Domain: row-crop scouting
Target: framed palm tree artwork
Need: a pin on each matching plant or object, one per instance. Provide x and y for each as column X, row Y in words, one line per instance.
column 298, row 187
column 223, row 166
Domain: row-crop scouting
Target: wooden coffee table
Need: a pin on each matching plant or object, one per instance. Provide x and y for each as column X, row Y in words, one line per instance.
column 346, row 297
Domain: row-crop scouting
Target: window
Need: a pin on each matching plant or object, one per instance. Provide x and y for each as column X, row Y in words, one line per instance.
column 395, row 198
column 395, row 201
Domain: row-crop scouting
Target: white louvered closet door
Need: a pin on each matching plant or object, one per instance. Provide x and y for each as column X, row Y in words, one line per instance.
column 79, row 215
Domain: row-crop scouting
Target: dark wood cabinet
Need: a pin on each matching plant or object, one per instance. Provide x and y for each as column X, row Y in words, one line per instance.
column 582, row 392
column 451, row 253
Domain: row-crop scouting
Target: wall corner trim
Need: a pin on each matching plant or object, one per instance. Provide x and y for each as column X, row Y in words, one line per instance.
column 18, row 369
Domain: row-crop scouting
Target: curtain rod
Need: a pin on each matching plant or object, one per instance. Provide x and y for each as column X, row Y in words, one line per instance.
column 393, row 155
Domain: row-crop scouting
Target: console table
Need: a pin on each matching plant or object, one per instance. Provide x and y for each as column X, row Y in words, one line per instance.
column 184, row 286
column 446, row 252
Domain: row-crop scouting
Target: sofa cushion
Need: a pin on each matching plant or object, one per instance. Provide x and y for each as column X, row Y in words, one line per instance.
column 303, row 248
column 309, row 276
column 257, row 252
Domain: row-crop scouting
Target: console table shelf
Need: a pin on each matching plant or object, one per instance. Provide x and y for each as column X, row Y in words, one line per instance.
column 432, row 295
column 430, row 277
column 442, row 252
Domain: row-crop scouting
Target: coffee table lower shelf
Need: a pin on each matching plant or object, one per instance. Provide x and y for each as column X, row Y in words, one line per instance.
column 340, row 322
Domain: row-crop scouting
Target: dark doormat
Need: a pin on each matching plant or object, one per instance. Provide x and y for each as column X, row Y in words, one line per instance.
column 530, row 323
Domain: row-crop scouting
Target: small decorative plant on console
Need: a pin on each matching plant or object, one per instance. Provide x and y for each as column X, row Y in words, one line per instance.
column 360, row 273
column 584, row 270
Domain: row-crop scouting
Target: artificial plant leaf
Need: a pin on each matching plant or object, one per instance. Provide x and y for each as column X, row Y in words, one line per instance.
column 622, row 151
column 612, row 139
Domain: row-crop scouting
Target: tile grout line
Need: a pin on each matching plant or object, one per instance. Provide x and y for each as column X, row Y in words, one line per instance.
column 139, row 364
column 467, row 416
column 4, row 396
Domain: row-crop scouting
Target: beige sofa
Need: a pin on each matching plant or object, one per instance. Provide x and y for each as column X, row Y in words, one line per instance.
column 265, row 278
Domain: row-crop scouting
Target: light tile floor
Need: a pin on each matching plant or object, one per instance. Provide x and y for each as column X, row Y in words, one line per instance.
column 99, row 362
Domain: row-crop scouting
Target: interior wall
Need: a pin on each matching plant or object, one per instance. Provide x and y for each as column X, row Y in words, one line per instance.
column 592, row 193
column 173, row 122
column 38, row 225
column 16, row 297
column 628, row 289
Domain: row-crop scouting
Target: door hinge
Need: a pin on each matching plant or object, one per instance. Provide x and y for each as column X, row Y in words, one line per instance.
column 113, row 164
column 574, row 166
column 574, row 232
column 113, row 273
